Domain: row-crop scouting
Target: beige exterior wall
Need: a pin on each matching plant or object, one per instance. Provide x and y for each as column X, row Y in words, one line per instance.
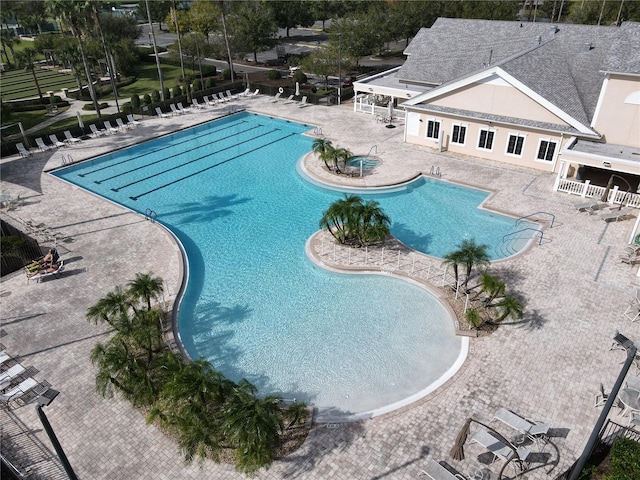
column 618, row 121
column 500, row 141
column 497, row 97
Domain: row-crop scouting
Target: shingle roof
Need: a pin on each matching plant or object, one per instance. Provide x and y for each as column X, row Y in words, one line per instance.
column 563, row 63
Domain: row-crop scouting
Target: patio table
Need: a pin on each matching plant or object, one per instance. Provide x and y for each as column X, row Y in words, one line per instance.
column 630, row 398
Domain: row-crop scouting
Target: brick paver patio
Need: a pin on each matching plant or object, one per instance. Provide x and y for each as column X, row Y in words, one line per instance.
column 547, row 367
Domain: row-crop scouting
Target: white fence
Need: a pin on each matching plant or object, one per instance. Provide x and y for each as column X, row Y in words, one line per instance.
column 585, row 189
column 398, row 114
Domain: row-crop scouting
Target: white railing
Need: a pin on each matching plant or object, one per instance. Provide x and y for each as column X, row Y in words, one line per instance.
column 585, row 189
column 372, row 109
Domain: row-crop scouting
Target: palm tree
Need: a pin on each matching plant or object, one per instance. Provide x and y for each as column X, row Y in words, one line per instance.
column 454, row 259
column 252, row 426
column 72, row 12
column 338, row 219
column 107, row 54
column 296, row 413
column 491, row 285
column 471, row 255
column 111, row 307
column 320, row 147
column 145, row 288
column 372, row 223
column 509, row 306
column 155, row 50
column 341, row 155
column 26, row 59
column 474, row 318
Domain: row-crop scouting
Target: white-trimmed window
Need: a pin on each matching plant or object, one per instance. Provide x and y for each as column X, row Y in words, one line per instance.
column 458, row 134
column 546, row 150
column 515, row 144
column 433, row 129
column 485, row 139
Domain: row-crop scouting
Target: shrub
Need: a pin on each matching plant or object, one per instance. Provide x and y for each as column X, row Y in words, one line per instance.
column 299, row 77
column 89, row 106
column 147, row 99
column 177, row 91
column 135, row 101
column 197, row 85
column 274, row 75
column 155, row 96
column 226, row 74
column 167, row 93
column 624, row 460
column 209, row 83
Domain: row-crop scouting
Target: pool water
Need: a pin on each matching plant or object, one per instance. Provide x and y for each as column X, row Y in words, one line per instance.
column 255, row 306
column 367, row 162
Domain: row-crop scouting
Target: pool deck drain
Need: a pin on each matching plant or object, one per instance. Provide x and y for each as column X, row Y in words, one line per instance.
column 547, row 367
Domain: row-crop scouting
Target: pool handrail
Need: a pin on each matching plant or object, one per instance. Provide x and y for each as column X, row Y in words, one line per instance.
column 553, row 217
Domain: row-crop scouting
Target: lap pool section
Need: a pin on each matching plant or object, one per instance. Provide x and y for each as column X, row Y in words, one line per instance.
column 255, row 306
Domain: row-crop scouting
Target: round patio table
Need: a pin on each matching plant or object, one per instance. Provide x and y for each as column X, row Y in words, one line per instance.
column 630, row 398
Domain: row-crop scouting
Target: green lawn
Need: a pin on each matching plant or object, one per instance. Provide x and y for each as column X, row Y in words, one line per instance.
column 16, row 84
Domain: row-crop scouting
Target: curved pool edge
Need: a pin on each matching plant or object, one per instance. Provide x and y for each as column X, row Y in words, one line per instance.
column 319, row 417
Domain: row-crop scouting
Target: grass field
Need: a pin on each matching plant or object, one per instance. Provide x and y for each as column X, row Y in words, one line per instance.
column 16, row 84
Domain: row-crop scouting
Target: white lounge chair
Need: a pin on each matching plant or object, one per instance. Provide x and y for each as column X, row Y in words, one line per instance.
column 255, row 92
column 132, row 121
column 4, row 357
column 276, row 98
column 198, row 105
column 161, row 114
column 22, row 151
column 497, row 448
column 7, row 377
column 303, row 103
column 121, row 125
column 534, row 431
column 110, row 128
column 55, row 142
column 70, row 138
column 222, row 98
column 245, row 93
column 615, row 215
column 41, row 145
column 18, row 391
column 183, row 109
column 174, row 109
column 212, row 102
column 231, row 95
column 39, row 276
column 290, row 99
column 95, row 132
column 435, row 471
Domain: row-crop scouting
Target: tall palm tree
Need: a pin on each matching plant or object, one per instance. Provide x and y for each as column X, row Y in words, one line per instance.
column 145, row 288
column 338, row 219
column 111, row 307
column 454, row 259
column 174, row 15
column 320, row 147
column 372, row 222
column 509, row 306
column 155, row 50
column 490, row 285
column 341, row 155
column 26, row 59
column 71, row 12
column 470, row 254
column 296, row 413
column 94, row 4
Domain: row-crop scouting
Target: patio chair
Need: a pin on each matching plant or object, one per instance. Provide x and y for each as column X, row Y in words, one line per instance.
column 41, row 145
column 633, row 310
column 231, row 95
column 631, row 255
column 70, row 138
column 121, row 125
column 303, row 102
column 38, row 277
column 534, row 431
column 55, row 142
column 161, row 114
column 222, row 98
column 276, row 98
column 174, row 109
column 255, row 93
column 499, row 449
column 634, row 418
column 290, row 99
column 110, row 128
column 132, row 121
column 7, row 377
column 198, row 105
column 19, row 390
column 246, row 93
column 212, row 102
column 435, row 471
column 601, row 397
column 183, row 109
column 95, row 132
column 22, row 151
column 616, row 215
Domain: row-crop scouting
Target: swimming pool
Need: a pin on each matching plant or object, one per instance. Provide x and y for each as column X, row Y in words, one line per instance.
column 255, row 306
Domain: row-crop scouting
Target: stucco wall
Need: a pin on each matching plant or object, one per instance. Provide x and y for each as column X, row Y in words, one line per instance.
column 617, row 120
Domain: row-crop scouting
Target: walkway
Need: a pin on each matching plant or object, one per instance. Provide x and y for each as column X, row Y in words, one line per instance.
column 547, row 367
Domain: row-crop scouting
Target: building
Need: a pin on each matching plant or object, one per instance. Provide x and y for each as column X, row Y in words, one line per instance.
column 558, row 98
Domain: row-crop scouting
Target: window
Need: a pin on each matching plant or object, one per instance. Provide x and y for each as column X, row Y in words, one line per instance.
column 485, row 141
column 433, row 129
column 546, row 150
column 514, row 146
column 458, row 134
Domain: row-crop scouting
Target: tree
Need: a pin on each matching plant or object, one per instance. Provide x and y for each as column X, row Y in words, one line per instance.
column 32, row 15
column 508, row 306
column 26, row 59
column 72, row 13
column 320, row 147
column 252, row 426
column 350, row 220
column 291, row 13
column 145, row 288
column 470, row 254
column 158, row 10
column 454, row 259
column 205, row 17
column 8, row 40
column 253, row 27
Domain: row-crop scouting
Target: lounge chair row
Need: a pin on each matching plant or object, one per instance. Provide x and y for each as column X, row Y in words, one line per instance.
column 300, row 103
column 109, row 128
